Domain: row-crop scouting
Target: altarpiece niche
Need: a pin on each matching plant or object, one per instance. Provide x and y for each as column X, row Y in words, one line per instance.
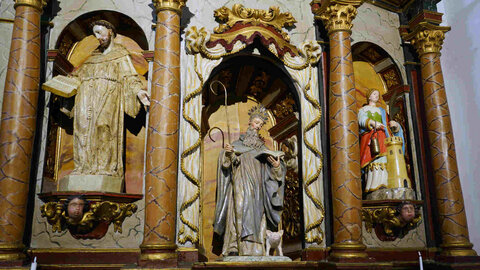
column 248, row 44
column 388, row 171
column 86, row 157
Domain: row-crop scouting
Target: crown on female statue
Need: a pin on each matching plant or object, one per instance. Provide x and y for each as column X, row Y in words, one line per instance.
column 258, row 112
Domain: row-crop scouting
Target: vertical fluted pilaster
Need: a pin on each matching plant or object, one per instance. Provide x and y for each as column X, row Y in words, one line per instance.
column 344, row 148
column 158, row 247
column 17, row 130
column 427, row 40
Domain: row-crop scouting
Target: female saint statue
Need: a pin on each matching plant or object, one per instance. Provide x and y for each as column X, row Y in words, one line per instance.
column 374, row 129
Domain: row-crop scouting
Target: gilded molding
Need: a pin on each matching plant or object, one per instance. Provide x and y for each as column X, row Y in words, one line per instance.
column 427, row 38
column 158, row 246
column 458, row 249
column 173, row 5
column 11, row 252
column 38, row 4
column 239, row 14
column 157, row 256
column 348, row 250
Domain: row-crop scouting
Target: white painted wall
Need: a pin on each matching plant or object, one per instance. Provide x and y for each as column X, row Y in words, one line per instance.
column 461, row 67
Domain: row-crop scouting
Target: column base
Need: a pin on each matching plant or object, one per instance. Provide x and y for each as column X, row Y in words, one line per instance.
column 158, row 256
column 12, row 254
column 349, row 252
column 314, row 254
column 457, row 250
column 187, row 256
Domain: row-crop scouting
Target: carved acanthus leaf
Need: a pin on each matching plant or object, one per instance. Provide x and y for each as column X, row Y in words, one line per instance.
column 426, row 37
column 428, row 41
column 338, row 17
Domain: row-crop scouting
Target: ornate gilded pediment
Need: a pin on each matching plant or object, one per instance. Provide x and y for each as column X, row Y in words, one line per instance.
column 241, row 15
column 245, row 24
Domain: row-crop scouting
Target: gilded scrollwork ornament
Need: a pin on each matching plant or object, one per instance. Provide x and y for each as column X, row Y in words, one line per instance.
column 81, row 222
column 239, row 14
column 53, row 212
column 311, row 50
column 390, row 222
column 291, row 216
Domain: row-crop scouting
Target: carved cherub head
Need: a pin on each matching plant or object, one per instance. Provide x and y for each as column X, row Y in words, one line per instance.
column 75, row 206
column 406, row 211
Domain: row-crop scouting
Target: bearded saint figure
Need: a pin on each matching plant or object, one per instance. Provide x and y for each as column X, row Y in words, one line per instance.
column 110, row 87
column 249, row 191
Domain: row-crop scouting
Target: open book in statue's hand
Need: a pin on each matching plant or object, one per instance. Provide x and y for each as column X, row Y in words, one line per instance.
column 62, row 86
column 265, row 153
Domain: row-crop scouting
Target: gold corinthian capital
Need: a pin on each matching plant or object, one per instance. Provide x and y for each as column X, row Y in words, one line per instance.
column 337, row 15
column 173, row 5
column 427, row 38
column 38, row 4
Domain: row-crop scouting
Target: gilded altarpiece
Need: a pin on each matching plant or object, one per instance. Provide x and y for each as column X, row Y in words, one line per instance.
column 204, row 52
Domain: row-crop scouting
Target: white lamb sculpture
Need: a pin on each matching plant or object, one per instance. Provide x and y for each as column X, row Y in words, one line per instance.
column 274, row 240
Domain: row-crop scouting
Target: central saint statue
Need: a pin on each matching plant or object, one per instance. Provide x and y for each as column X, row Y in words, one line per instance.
column 250, row 188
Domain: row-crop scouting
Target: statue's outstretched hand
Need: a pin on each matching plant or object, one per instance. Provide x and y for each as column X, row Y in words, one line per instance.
column 275, row 162
column 144, row 97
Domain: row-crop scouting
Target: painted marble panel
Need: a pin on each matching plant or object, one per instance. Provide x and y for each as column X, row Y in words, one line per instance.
column 379, row 26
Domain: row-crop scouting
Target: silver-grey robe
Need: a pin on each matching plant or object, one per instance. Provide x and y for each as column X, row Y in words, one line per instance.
column 259, row 190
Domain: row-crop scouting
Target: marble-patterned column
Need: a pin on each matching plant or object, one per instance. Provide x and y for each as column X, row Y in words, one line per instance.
column 427, row 40
column 344, row 149
column 158, row 247
column 17, row 130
